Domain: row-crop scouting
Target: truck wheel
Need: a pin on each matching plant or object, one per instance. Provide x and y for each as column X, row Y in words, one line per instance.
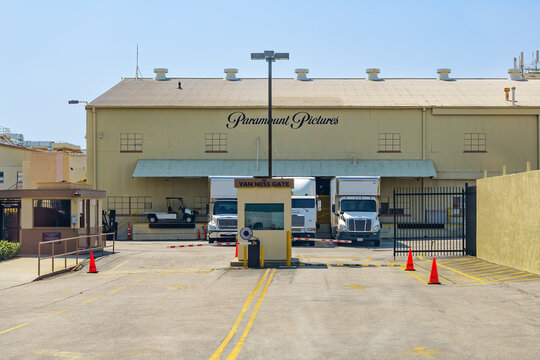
column 377, row 243
column 152, row 219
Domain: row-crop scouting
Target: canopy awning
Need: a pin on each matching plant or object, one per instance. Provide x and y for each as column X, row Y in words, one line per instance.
column 204, row 168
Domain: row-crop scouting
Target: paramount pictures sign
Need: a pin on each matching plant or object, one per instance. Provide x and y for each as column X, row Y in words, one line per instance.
column 295, row 121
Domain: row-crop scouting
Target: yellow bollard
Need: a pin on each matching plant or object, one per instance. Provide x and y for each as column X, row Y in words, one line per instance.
column 288, row 248
column 262, row 256
column 504, row 169
column 528, row 166
column 485, row 174
column 245, row 256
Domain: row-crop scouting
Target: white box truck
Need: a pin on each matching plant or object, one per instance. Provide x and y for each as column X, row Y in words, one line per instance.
column 222, row 209
column 304, row 207
column 355, row 208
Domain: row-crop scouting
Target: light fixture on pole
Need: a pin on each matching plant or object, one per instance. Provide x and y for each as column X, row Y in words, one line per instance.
column 270, row 56
column 73, row 102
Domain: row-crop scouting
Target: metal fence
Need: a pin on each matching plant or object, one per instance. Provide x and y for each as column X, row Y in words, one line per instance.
column 429, row 221
column 97, row 242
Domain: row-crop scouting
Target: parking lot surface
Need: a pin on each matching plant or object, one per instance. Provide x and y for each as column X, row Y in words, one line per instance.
column 149, row 301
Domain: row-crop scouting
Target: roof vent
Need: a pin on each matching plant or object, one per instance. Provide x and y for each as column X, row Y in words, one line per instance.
column 301, row 74
column 443, row 74
column 161, row 74
column 373, row 74
column 231, row 74
column 515, row 74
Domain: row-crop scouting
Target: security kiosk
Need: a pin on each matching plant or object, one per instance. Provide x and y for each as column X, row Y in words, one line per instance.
column 264, row 206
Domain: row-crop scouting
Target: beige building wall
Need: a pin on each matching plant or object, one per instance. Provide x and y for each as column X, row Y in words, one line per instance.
column 179, row 133
column 45, row 167
column 11, row 162
column 508, row 220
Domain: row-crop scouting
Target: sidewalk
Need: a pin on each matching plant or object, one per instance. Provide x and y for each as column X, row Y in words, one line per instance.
column 24, row 269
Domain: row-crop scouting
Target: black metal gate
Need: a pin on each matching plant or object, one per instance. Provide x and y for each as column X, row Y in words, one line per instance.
column 9, row 219
column 429, row 221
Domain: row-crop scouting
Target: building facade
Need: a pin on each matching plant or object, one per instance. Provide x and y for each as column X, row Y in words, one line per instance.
column 148, row 139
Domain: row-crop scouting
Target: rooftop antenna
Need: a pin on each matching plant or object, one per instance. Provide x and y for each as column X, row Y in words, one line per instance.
column 137, row 70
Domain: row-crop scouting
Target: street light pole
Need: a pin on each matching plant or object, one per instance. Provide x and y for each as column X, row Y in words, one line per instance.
column 269, row 118
column 270, row 56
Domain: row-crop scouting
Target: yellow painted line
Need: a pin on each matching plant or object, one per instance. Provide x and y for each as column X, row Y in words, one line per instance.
column 457, row 261
column 488, row 274
column 509, row 274
column 116, row 290
column 416, row 276
column 494, row 268
column 222, row 346
column 339, row 264
column 13, row 328
column 138, row 281
column 528, row 279
column 241, row 341
column 94, row 299
column 369, row 258
column 513, row 277
column 377, row 265
column 117, row 266
column 477, row 267
column 458, row 272
column 56, row 313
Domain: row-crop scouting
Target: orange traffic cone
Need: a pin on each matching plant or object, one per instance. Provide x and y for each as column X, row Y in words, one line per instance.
column 434, row 277
column 92, row 268
column 410, row 265
column 236, row 251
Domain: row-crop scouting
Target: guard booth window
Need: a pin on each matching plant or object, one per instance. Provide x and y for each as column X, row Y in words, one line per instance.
column 52, row 213
column 264, row 216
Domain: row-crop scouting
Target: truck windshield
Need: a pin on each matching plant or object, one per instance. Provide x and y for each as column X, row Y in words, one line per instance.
column 225, row 207
column 359, row 205
column 303, row 203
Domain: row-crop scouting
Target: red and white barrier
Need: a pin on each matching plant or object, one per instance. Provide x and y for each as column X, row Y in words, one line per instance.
column 197, row 245
column 324, row 240
column 182, row 246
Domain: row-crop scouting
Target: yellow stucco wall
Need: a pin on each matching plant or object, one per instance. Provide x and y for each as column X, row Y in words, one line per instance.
column 53, row 167
column 274, row 241
column 11, row 162
column 508, row 220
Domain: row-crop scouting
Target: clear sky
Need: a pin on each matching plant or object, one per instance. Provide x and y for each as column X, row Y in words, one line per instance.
column 53, row 51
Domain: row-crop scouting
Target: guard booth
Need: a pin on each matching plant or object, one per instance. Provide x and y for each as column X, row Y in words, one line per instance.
column 264, row 206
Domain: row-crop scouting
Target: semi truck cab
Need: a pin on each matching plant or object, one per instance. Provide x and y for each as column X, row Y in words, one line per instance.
column 355, row 205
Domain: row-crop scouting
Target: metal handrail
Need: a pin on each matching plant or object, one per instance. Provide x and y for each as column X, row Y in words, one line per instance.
column 76, row 252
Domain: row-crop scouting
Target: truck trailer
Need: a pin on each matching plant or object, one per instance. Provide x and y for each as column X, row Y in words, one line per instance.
column 355, row 208
column 304, row 207
column 223, row 208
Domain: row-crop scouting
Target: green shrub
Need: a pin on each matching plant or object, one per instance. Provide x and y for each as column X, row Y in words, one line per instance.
column 9, row 249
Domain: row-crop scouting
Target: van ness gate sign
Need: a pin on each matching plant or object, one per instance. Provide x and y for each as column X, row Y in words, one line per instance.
column 295, row 121
column 264, row 183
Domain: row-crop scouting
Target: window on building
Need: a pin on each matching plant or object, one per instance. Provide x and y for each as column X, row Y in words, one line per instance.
column 131, row 142
column 1, row 177
column 215, row 143
column 52, row 213
column 264, row 216
column 475, row 142
column 389, row 142
column 129, row 205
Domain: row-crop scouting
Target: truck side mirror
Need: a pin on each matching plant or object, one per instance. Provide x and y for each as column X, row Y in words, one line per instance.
column 333, row 208
column 207, row 208
column 319, row 205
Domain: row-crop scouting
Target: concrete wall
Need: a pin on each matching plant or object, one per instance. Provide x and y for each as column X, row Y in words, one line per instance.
column 508, row 220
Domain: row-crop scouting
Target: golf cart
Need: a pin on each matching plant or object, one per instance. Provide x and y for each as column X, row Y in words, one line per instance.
column 183, row 215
